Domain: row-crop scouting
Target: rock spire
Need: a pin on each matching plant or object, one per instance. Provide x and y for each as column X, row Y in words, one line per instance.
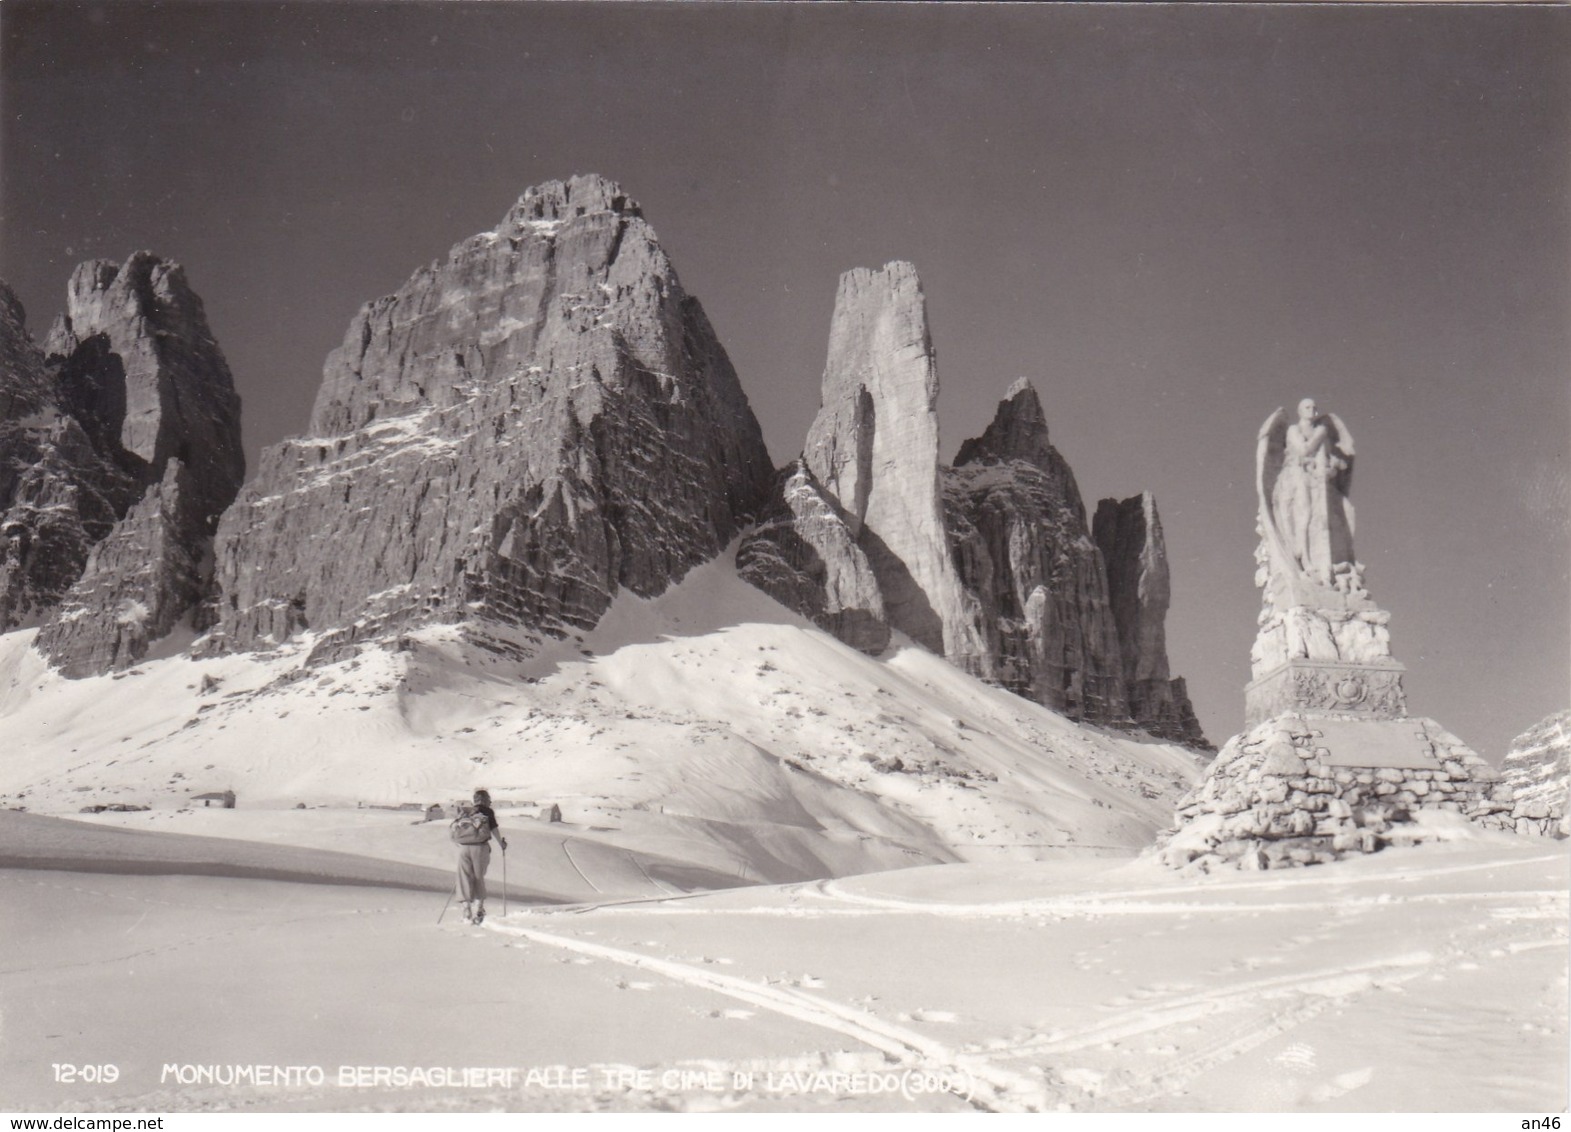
column 989, row 563
column 1018, row 528
column 874, row 449
column 123, row 445
column 858, row 540
column 1128, row 533
column 59, row 493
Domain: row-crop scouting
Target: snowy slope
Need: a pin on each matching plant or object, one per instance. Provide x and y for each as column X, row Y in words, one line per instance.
column 709, row 728
column 709, row 740
column 1420, row 979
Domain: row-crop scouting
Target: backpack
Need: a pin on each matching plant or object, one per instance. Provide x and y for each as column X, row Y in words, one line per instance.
column 470, row 828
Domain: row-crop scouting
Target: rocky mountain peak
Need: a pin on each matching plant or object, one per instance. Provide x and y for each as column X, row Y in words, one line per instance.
column 118, row 463
column 526, row 427
column 581, row 195
column 139, row 365
column 580, row 244
column 58, row 494
column 879, row 352
column 88, row 288
column 1018, row 431
column 879, row 339
column 874, row 449
column 1017, row 527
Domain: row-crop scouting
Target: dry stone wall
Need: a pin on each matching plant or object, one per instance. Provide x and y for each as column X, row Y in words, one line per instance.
column 1303, row 790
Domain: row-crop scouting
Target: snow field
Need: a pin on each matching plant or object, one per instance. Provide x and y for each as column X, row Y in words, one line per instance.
column 709, row 727
column 1427, row 979
column 785, row 867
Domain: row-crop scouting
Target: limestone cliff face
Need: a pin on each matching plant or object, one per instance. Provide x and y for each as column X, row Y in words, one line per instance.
column 874, row 450
column 119, row 447
column 140, row 368
column 540, row 419
column 1018, row 529
column 1129, row 535
column 139, row 583
column 59, row 494
column 24, row 386
column 136, row 365
column 803, row 553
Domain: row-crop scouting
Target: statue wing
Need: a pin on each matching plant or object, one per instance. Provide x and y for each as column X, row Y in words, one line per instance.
column 1342, row 444
column 1270, row 452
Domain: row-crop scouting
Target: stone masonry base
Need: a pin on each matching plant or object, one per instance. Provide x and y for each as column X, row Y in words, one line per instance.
column 1301, row 789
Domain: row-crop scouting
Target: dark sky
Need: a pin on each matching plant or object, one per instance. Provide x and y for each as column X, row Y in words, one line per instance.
column 1174, row 219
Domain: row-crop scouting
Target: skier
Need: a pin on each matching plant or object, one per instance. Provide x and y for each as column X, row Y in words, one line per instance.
column 473, row 830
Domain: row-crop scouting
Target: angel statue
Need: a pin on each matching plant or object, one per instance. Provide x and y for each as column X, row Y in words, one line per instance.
column 1303, row 471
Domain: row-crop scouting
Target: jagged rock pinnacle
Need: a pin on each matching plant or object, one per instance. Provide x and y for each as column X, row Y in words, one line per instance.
column 874, row 448
column 122, row 446
column 1018, row 431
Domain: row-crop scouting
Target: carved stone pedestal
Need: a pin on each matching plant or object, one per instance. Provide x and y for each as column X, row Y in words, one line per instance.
column 1366, row 691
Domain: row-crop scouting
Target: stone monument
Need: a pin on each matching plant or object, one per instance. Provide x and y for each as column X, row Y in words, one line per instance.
column 1330, row 762
column 1323, row 644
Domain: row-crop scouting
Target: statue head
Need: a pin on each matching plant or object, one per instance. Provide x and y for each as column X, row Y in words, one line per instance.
column 1306, row 410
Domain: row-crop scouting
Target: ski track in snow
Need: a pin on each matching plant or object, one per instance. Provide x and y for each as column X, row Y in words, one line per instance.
column 994, row 1087
column 846, row 903
column 1328, row 984
column 581, row 875
column 1240, row 1016
column 1087, row 907
column 1307, row 995
column 1270, row 1008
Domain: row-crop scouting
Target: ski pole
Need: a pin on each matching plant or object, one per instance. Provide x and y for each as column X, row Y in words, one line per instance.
column 504, row 880
column 445, row 903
